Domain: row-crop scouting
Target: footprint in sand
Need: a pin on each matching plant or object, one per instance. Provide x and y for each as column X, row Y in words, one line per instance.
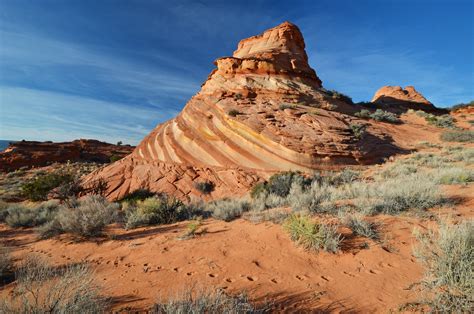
column 274, row 280
column 212, row 275
column 249, row 278
column 229, row 280
column 348, row 274
column 375, row 272
column 327, row 278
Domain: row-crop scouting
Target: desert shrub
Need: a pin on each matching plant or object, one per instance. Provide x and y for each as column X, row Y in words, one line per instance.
column 361, row 227
column 207, row 302
column 233, row 113
column 442, row 121
column 462, row 105
column 454, row 175
column 41, row 288
column 280, row 183
column 156, row 210
column 316, row 198
column 228, row 209
column 31, row 215
column 448, row 259
column 3, row 210
column 378, row 115
column 38, row 188
column 382, row 115
column 267, row 200
column 205, row 187
column 343, row 177
column 458, row 136
column 312, row 235
column 86, row 218
column 364, row 114
column 358, row 130
column 114, row 158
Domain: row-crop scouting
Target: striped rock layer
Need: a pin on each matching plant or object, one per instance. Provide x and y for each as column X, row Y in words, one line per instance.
column 260, row 111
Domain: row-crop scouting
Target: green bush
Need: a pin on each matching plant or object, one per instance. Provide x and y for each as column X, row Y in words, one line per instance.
column 448, row 259
column 41, row 288
column 442, row 121
column 38, row 188
column 85, row 218
column 156, row 210
column 311, row 235
column 257, row 190
column 228, row 209
column 358, row 130
column 363, row 114
column 207, row 302
column 458, row 136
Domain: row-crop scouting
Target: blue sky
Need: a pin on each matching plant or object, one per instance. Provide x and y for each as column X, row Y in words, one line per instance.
column 114, row 69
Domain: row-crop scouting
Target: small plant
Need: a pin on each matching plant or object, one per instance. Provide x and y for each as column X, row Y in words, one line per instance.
column 37, row 189
column 448, row 259
column 192, row 230
column 358, row 130
column 207, row 302
column 205, row 187
column 41, row 288
column 228, row 209
column 6, row 262
column 280, row 183
column 119, row 143
column 458, row 136
column 311, row 235
column 233, row 113
column 361, row 227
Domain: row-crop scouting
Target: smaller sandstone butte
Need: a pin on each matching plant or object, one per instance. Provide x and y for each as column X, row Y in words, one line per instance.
column 408, row 98
column 37, row 154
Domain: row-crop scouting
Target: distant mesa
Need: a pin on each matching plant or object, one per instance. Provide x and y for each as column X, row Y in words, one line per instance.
column 260, row 111
column 37, row 154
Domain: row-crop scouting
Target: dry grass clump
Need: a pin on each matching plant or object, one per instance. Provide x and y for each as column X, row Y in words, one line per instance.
column 207, row 302
column 448, row 258
column 41, row 288
column 454, row 176
column 362, row 227
column 312, row 235
column 85, row 218
column 228, row 209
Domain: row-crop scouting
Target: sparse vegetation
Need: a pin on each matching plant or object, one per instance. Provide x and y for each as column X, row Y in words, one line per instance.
column 6, row 263
column 448, row 258
column 114, row 158
column 462, row 105
column 340, row 96
column 458, row 136
column 227, row 209
column 207, row 302
column 312, row 235
column 441, row 121
column 41, row 288
column 287, row 106
column 38, row 188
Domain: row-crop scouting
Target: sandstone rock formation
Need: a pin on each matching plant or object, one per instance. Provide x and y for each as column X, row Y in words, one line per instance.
column 398, row 97
column 36, row 154
column 260, row 111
